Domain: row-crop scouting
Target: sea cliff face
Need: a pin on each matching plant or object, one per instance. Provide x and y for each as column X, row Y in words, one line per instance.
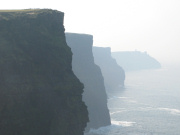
column 113, row 74
column 39, row 93
column 90, row 75
column 135, row 60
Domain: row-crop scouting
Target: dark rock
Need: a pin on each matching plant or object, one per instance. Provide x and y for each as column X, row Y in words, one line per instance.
column 39, row 93
column 90, row 75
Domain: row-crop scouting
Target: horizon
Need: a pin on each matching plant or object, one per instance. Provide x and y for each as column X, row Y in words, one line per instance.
column 146, row 26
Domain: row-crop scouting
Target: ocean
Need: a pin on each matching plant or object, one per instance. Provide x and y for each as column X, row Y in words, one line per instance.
column 148, row 105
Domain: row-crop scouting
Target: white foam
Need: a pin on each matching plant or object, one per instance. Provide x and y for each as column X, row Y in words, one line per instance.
column 146, row 108
column 115, row 126
column 172, row 111
column 123, row 97
column 123, row 123
column 115, row 97
column 118, row 112
column 103, row 130
column 128, row 99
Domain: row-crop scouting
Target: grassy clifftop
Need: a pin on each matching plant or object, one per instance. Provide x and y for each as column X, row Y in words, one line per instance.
column 9, row 14
column 39, row 93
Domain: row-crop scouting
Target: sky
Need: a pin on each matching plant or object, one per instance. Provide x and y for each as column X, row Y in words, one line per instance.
column 124, row 25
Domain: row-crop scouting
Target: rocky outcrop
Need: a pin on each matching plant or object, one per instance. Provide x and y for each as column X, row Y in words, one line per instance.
column 90, row 75
column 39, row 93
column 113, row 74
column 135, row 60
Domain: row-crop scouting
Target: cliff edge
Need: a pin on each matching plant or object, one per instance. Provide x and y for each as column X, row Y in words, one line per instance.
column 39, row 93
column 113, row 74
column 90, row 75
column 135, row 60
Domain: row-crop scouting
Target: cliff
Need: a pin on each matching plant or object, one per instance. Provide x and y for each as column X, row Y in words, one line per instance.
column 39, row 93
column 113, row 74
column 135, row 60
column 90, row 75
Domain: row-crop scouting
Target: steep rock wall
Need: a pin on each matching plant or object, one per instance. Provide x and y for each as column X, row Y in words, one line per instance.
column 90, row 75
column 113, row 74
column 39, row 93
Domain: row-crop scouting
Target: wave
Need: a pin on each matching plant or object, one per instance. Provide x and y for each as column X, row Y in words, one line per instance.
column 123, row 123
column 114, row 129
column 115, row 97
column 172, row 111
column 126, row 99
column 122, row 110
column 111, row 113
column 119, row 128
column 103, row 130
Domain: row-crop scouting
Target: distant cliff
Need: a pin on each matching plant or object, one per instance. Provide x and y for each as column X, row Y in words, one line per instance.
column 114, row 75
column 135, row 60
column 39, row 94
column 90, row 75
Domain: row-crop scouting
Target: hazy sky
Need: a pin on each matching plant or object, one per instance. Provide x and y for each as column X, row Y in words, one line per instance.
column 144, row 25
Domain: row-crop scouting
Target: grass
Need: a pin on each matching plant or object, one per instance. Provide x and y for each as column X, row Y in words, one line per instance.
column 19, row 10
column 9, row 14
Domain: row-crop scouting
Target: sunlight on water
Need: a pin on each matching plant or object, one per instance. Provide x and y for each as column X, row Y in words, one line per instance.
column 149, row 105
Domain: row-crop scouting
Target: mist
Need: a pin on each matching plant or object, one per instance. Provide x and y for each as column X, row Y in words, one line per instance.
column 152, row 26
column 72, row 64
column 123, row 25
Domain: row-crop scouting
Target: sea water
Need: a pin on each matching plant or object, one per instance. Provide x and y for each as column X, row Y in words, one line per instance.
column 148, row 105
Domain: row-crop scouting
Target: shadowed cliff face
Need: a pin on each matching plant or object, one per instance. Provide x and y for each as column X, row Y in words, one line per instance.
column 90, row 75
column 39, row 93
column 113, row 74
